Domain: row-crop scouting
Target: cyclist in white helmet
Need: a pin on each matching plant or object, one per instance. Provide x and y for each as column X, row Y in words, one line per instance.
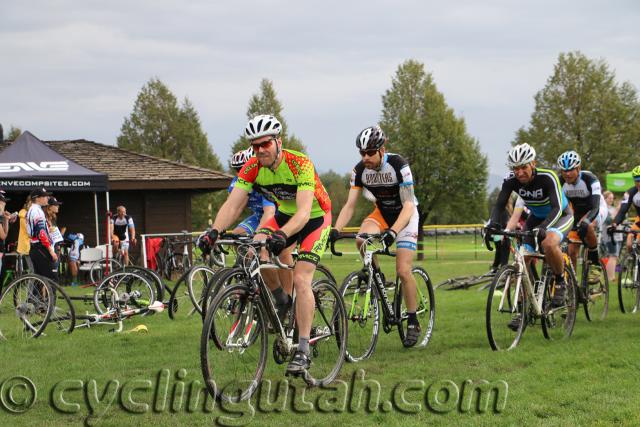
column 550, row 215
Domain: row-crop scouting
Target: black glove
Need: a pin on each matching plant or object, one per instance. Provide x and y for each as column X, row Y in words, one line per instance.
column 333, row 235
column 388, row 236
column 204, row 245
column 582, row 228
column 213, row 236
column 541, row 233
column 277, row 242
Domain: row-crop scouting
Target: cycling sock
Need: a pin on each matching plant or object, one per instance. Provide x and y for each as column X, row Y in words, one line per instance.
column 280, row 296
column 303, row 345
column 593, row 256
column 412, row 318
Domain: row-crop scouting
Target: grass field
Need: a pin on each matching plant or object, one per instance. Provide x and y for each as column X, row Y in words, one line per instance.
column 94, row 377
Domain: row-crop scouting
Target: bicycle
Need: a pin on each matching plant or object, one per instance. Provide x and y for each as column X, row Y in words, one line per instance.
column 629, row 276
column 233, row 346
column 593, row 292
column 26, row 304
column 229, row 275
column 518, row 297
column 465, row 282
column 365, row 291
column 173, row 264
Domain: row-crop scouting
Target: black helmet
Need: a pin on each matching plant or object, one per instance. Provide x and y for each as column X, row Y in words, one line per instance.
column 371, row 138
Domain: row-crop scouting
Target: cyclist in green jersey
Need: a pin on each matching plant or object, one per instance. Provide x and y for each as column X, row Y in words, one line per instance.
column 287, row 178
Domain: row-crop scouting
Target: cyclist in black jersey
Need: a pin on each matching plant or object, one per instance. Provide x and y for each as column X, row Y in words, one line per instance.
column 631, row 197
column 123, row 231
column 386, row 179
column 589, row 208
column 550, row 215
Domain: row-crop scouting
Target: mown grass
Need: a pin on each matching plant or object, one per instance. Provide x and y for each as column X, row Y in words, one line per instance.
column 590, row 379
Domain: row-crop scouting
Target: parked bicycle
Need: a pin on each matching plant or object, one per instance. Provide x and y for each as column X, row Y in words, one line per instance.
column 365, row 291
column 233, row 347
column 519, row 297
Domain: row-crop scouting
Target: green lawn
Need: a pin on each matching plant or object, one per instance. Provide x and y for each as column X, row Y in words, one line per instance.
column 589, row 379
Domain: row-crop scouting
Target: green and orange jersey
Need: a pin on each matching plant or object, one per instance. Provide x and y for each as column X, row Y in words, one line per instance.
column 294, row 173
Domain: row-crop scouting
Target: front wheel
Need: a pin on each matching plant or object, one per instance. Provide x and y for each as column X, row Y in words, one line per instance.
column 628, row 284
column 505, row 315
column 425, row 311
column 233, row 344
column 363, row 315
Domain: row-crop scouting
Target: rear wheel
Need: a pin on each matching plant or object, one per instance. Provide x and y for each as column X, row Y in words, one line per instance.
column 63, row 315
column 505, row 316
column 141, row 292
column 426, row 308
column 558, row 322
column 197, row 280
column 595, row 286
column 328, row 338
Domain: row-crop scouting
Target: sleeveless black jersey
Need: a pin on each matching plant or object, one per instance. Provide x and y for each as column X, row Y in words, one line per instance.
column 384, row 184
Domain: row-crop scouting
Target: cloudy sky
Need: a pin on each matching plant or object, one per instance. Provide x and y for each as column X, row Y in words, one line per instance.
column 72, row 69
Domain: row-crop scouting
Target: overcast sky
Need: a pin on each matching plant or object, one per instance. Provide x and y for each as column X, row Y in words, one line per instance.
column 73, row 69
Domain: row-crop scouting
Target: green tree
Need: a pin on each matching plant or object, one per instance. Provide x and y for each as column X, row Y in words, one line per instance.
column 159, row 127
column 449, row 170
column 266, row 102
column 14, row 133
column 582, row 108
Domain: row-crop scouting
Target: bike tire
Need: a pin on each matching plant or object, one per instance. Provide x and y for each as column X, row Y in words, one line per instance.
column 63, row 314
column 196, row 283
column 233, row 344
column 25, row 307
column 363, row 315
column 595, row 293
column 628, row 286
column 123, row 281
column 426, row 307
column 502, row 305
column 558, row 323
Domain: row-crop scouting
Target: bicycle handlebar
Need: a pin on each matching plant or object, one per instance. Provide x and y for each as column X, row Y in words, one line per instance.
column 623, row 230
column 364, row 236
column 514, row 234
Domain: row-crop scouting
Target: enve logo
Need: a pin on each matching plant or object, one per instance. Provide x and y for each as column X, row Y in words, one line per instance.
column 14, row 167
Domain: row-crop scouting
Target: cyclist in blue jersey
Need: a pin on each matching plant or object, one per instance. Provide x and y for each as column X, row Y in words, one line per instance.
column 551, row 217
column 262, row 208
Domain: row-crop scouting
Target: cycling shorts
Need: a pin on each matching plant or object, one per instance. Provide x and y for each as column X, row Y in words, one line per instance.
column 312, row 238
column 407, row 237
column 250, row 223
column 561, row 227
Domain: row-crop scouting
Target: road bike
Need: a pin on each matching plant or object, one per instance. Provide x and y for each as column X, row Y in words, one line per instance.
column 365, row 291
column 520, row 297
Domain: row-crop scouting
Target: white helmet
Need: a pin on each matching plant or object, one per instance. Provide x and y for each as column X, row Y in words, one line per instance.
column 569, row 160
column 241, row 157
column 262, row 125
column 520, row 155
column 371, row 138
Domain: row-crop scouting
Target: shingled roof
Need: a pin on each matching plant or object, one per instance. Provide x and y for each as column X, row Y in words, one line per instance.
column 134, row 171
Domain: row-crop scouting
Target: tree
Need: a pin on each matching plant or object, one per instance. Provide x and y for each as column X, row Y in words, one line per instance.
column 14, row 133
column 266, row 102
column 159, row 127
column 582, row 108
column 449, row 171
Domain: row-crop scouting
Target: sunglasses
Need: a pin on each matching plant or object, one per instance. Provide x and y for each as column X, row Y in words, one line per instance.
column 369, row 153
column 265, row 145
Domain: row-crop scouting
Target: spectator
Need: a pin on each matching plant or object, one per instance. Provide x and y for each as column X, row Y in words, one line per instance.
column 42, row 253
column 51, row 212
column 77, row 242
column 612, row 243
column 23, row 235
column 122, row 232
column 4, row 224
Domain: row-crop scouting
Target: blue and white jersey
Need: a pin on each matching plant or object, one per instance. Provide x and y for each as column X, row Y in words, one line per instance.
column 257, row 202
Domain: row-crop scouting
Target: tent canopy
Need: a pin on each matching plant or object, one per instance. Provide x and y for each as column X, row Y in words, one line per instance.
column 619, row 182
column 28, row 163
